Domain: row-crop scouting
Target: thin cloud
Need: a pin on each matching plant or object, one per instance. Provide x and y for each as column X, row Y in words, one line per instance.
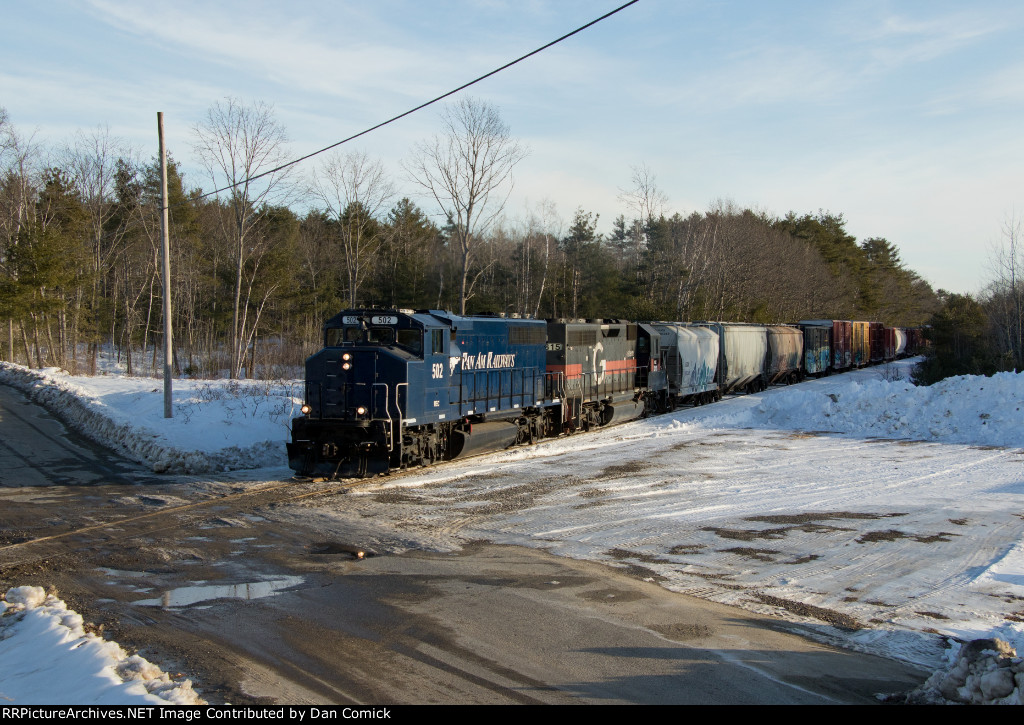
column 286, row 51
column 897, row 40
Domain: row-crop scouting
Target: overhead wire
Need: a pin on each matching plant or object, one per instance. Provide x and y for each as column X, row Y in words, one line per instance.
column 422, row 105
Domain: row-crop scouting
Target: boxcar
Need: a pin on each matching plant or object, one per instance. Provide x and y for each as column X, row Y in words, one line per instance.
column 876, row 342
column 861, row 344
column 817, row 347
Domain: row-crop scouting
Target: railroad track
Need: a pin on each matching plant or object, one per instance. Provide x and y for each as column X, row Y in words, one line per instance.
column 16, row 555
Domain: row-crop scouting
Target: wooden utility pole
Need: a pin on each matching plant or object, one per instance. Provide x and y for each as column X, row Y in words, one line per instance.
column 165, row 225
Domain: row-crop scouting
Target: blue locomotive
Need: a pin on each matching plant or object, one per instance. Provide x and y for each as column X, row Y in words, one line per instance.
column 393, row 388
column 397, row 388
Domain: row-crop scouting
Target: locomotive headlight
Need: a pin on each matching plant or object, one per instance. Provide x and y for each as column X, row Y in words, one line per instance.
column 346, row 366
column 346, row 356
column 306, row 409
column 360, row 410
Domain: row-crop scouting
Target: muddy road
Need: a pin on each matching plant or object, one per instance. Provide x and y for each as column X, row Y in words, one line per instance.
column 229, row 583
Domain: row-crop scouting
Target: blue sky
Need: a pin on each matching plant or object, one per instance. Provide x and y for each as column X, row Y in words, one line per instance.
column 905, row 117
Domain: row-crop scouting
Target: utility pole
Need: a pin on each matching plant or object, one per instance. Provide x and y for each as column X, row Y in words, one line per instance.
column 165, row 226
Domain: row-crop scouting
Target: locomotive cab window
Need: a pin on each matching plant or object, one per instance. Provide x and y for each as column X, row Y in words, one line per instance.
column 437, row 342
column 380, row 336
column 411, row 340
column 339, row 335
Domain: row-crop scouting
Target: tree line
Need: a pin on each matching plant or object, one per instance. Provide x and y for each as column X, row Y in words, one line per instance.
column 259, row 266
column 981, row 334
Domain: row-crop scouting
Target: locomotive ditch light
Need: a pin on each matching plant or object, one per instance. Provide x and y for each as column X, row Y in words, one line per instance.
column 306, row 409
column 360, row 410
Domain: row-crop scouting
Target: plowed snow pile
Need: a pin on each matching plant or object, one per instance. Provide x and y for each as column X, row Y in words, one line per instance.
column 965, row 409
column 49, row 659
column 218, row 425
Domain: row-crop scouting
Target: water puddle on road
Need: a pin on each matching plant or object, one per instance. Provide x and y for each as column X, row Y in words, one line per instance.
column 188, row 596
column 123, row 573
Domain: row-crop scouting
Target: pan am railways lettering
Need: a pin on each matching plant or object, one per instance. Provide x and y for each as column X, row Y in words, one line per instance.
column 486, row 361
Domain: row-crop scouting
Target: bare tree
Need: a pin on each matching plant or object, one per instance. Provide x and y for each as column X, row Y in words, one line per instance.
column 647, row 202
column 19, row 168
column 1005, row 294
column 6, row 132
column 355, row 191
column 92, row 161
column 645, row 198
column 19, row 188
column 236, row 143
column 545, row 227
column 466, row 170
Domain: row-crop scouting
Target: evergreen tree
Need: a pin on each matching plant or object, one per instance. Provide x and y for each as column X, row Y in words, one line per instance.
column 961, row 343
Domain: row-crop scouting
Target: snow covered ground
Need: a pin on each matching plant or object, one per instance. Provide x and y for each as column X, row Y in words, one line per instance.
column 871, row 513
column 42, row 642
column 218, row 425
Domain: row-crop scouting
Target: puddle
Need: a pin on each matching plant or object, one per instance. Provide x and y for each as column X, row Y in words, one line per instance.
column 187, row 596
column 122, row 573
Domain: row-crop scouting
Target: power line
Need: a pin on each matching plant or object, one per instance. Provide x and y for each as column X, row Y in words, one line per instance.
column 422, row 105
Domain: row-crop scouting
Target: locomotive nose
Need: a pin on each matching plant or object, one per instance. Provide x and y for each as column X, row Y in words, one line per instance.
column 344, row 385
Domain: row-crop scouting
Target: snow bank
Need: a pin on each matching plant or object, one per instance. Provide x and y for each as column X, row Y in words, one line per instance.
column 217, row 425
column 983, row 672
column 227, row 424
column 49, row 659
column 965, row 409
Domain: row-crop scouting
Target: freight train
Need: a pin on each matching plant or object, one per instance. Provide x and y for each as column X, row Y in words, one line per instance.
column 395, row 388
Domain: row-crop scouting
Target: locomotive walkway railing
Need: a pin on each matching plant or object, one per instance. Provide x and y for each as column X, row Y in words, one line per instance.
column 594, row 386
